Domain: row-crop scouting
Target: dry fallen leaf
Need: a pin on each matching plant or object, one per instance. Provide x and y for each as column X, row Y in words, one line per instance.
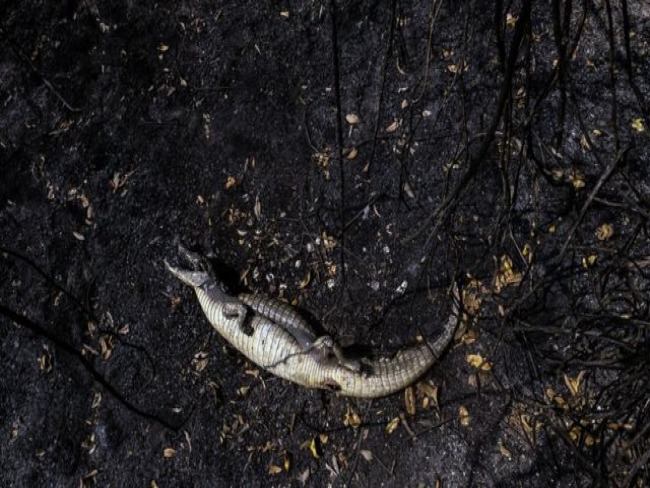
column 351, row 419
column 169, row 452
column 275, row 469
column 352, row 119
column 315, row 446
column 230, row 182
column 409, row 400
column 392, row 425
column 478, row 362
column 638, row 125
column 366, row 454
column 408, row 190
column 463, row 416
column 393, row 127
column 106, row 343
column 430, row 393
column 257, row 208
column 604, row 232
column 505, row 452
column 573, row 384
column 45, row 360
column 577, row 179
column 589, row 261
column 511, row 20
column 305, row 281
column 507, row 275
column 304, row 476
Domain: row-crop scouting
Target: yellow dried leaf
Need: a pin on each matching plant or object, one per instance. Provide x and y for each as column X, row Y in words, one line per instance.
column 392, row 425
column 305, row 281
column 351, row 419
column 604, row 232
column 505, row 452
column 511, row 20
column 275, row 469
column 507, row 274
column 169, row 452
column 470, row 336
column 409, row 400
column 558, row 400
column 162, row 48
column 286, row 464
column 589, row 261
column 573, row 384
column 352, row 153
column 577, row 180
column 574, row 433
column 285, row 14
column 106, row 343
column 463, row 416
column 315, row 448
column 45, row 361
column 430, row 393
column 478, row 362
column 638, row 125
column 230, row 182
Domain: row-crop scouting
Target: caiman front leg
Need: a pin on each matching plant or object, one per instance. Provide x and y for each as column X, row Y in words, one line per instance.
column 201, row 276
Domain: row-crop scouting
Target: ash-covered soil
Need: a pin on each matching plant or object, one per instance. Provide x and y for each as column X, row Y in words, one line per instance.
column 354, row 159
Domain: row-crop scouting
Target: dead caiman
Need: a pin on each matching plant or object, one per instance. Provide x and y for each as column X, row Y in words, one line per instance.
column 274, row 336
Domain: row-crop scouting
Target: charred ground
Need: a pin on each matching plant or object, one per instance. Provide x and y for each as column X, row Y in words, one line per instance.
column 353, row 158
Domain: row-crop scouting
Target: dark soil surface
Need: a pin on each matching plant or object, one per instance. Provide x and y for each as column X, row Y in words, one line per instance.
column 353, row 158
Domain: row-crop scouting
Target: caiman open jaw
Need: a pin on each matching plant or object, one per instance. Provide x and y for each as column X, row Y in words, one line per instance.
column 274, row 336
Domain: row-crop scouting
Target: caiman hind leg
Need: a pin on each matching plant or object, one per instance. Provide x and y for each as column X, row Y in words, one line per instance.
column 326, row 347
column 290, row 320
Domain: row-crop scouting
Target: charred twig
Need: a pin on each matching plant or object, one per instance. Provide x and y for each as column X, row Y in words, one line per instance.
column 480, row 155
column 68, row 349
column 603, row 178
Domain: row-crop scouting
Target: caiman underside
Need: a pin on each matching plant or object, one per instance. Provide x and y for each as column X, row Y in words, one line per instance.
column 274, row 336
